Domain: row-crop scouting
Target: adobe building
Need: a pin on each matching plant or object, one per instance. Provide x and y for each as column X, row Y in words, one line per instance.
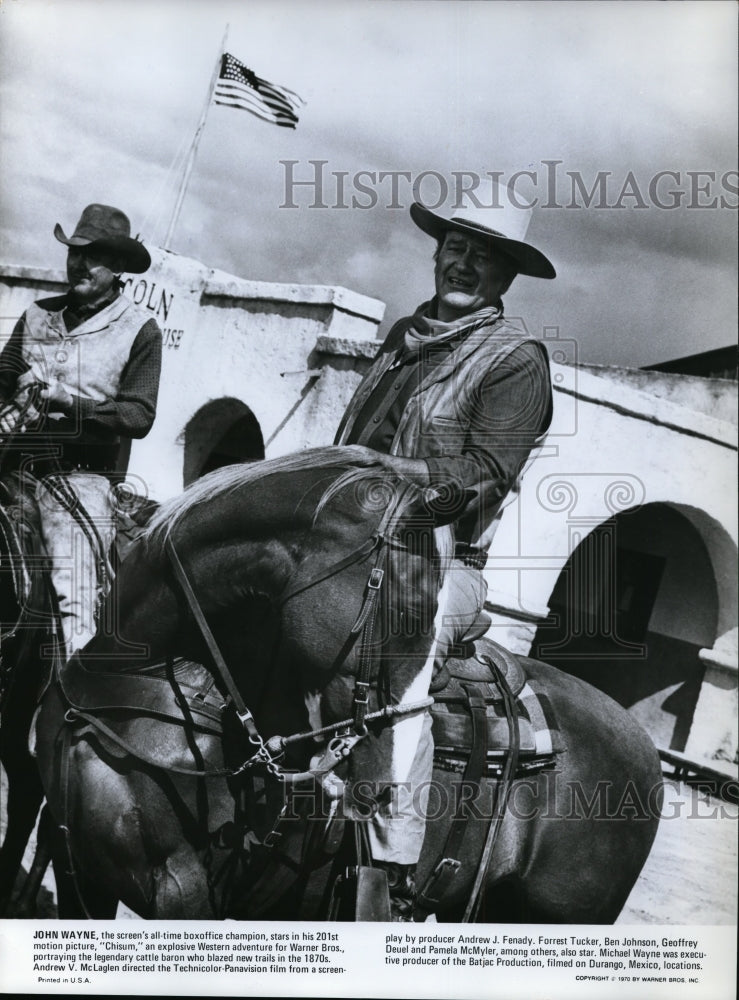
column 617, row 561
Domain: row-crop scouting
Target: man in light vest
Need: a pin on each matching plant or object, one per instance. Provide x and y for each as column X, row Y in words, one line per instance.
column 79, row 375
column 456, row 395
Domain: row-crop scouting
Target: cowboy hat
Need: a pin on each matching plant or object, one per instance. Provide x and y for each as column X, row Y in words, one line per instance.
column 503, row 226
column 108, row 228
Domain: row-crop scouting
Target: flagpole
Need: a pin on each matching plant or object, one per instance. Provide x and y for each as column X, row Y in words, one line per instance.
column 194, row 145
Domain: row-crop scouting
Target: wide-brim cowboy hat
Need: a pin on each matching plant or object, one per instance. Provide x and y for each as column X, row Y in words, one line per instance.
column 109, row 229
column 502, row 227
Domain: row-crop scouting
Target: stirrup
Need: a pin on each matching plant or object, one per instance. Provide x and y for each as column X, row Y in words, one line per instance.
column 401, row 881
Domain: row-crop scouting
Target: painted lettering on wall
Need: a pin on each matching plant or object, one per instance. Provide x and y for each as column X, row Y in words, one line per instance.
column 171, row 338
column 159, row 300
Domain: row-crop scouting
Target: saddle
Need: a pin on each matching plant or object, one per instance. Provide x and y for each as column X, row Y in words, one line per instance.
column 473, row 679
column 489, row 726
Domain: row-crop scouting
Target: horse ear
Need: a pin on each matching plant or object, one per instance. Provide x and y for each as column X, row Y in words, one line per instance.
column 446, row 503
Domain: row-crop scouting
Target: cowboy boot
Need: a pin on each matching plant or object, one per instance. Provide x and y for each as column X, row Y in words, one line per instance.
column 440, row 677
column 401, row 880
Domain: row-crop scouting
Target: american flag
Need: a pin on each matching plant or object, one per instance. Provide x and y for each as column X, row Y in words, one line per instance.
column 239, row 87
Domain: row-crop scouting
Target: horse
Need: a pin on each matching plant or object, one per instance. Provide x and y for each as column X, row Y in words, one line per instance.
column 31, row 641
column 28, row 643
column 263, row 670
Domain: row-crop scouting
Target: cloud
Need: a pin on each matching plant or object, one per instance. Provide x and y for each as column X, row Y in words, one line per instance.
column 114, row 92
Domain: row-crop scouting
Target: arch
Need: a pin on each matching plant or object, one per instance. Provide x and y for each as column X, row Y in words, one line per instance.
column 640, row 596
column 222, row 432
column 722, row 551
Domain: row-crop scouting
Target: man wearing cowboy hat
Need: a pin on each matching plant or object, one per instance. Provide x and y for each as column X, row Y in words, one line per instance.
column 92, row 360
column 457, row 396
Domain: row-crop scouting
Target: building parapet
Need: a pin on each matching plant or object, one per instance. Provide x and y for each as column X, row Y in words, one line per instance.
column 642, row 405
column 713, row 395
column 221, row 285
column 344, row 347
column 23, row 273
column 593, row 384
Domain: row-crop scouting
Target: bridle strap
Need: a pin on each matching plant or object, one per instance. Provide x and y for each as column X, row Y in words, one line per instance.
column 363, row 630
column 379, row 537
column 359, row 554
column 243, row 713
column 364, row 625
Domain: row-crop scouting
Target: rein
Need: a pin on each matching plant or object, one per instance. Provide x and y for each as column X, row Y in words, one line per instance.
column 33, row 397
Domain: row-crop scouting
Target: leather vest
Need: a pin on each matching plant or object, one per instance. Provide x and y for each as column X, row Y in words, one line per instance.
column 89, row 360
column 435, row 421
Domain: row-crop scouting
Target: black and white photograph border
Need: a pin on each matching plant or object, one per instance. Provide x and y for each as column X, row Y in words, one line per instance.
column 267, row 156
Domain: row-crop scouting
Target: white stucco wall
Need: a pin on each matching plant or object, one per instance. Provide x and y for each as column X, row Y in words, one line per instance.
column 713, row 396
column 253, row 341
column 612, row 447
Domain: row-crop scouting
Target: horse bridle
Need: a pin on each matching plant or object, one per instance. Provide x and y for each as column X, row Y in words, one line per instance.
column 350, row 731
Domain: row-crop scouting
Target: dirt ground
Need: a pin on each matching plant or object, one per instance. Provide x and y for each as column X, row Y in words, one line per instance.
column 690, row 876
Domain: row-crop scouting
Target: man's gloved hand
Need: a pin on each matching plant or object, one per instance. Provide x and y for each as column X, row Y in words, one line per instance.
column 9, row 417
column 20, row 412
column 26, row 379
column 57, row 398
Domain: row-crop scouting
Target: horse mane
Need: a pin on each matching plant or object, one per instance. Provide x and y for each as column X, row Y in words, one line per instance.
column 232, row 477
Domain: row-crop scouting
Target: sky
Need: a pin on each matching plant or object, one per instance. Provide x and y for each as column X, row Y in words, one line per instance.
column 622, row 117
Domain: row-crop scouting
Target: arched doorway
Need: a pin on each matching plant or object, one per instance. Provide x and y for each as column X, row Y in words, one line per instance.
column 633, row 606
column 223, row 432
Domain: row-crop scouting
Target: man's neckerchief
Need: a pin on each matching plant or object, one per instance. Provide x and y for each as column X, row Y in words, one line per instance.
column 75, row 313
column 425, row 330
